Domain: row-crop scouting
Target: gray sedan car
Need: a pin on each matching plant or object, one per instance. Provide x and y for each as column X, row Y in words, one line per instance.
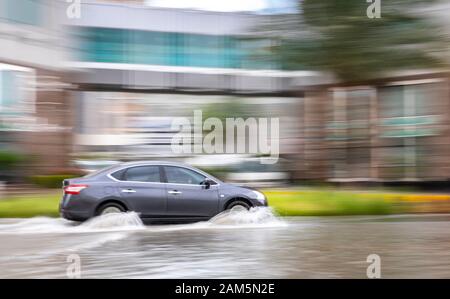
column 157, row 191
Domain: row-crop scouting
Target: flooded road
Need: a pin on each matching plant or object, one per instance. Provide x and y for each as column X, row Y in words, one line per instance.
column 242, row 244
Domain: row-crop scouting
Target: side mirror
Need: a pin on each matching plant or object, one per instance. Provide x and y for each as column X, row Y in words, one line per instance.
column 207, row 183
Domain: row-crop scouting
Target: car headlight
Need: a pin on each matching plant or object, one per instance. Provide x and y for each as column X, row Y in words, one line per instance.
column 259, row 196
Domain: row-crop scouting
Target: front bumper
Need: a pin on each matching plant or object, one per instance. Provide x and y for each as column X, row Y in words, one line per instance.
column 259, row 203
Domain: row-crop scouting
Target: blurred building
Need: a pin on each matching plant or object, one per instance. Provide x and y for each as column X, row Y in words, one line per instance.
column 393, row 129
column 109, row 84
column 33, row 99
column 137, row 67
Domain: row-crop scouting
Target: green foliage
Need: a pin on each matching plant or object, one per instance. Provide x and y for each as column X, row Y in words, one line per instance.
column 50, row 181
column 9, row 159
column 327, row 203
column 337, row 36
column 286, row 202
column 222, row 111
column 30, row 206
column 228, row 109
column 315, row 202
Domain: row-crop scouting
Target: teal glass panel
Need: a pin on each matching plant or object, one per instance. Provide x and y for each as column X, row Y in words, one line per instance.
column 164, row 48
column 8, row 89
column 409, row 133
column 24, row 11
column 410, row 121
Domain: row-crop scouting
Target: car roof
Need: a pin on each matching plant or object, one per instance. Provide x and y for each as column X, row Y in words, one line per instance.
column 152, row 162
column 149, row 162
column 123, row 165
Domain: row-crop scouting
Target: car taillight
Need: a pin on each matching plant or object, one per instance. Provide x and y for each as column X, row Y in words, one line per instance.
column 74, row 188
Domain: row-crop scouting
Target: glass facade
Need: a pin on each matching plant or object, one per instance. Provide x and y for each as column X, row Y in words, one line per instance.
column 29, row 12
column 169, row 49
column 391, row 132
column 16, row 97
column 11, row 92
column 407, row 111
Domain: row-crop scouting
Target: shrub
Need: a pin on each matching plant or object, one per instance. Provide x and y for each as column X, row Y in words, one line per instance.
column 323, row 202
column 50, row 181
column 9, row 159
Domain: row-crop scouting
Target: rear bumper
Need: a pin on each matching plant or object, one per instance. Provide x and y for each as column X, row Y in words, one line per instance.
column 75, row 207
column 74, row 215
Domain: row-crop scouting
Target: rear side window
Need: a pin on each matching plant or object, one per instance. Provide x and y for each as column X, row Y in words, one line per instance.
column 118, row 175
column 179, row 175
column 149, row 174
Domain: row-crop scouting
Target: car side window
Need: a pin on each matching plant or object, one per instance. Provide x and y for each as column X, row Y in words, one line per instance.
column 118, row 175
column 180, row 175
column 149, row 174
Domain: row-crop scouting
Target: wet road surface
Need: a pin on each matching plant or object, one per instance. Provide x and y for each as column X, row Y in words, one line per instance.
column 242, row 244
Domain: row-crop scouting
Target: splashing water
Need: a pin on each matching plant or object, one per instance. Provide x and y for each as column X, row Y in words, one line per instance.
column 235, row 218
column 123, row 221
column 107, row 222
column 255, row 217
column 37, row 225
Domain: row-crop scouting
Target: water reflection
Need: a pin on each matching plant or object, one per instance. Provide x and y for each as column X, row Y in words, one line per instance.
column 308, row 247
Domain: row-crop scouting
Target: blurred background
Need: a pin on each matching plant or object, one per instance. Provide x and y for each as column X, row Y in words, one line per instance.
column 361, row 91
column 361, row 101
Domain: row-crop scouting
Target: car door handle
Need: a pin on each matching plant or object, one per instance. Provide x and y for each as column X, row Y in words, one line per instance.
column 175, row 192
column 128, row 191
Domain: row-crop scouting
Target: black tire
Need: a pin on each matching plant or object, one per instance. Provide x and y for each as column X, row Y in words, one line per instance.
column 238, row 203
column 110, row 205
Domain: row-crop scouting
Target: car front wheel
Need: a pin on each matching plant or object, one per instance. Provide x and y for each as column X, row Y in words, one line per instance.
column 238, row 204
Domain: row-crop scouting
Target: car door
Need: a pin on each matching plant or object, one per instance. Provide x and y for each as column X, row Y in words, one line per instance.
column 142, row 189
column 186, row 197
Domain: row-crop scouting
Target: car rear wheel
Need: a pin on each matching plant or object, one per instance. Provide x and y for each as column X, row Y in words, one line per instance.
column 238, row 205
column 110, row 208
